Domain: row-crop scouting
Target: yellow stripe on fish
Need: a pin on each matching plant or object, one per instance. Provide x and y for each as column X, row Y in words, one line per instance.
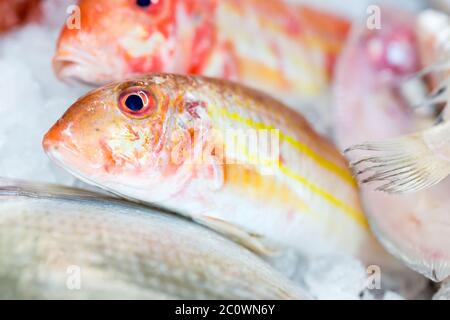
column 303, row 148
column 354, row 214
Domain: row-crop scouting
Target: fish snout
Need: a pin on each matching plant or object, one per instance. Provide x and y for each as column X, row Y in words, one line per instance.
column 52, row 139
column 62, row 149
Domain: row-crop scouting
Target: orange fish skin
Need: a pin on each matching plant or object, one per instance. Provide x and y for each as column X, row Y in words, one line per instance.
column 307, row 195
column 285, row 50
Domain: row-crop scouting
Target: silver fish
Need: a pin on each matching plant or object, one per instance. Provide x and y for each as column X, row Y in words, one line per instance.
column 73, row 244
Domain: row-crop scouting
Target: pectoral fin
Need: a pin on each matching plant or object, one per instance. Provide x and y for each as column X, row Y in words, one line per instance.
column 249, row 240
column 404, row 164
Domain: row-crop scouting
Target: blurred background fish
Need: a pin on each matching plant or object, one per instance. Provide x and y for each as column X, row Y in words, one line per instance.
column 371, row 103
column 284, row 49
column 421, row 159
column 17, row 12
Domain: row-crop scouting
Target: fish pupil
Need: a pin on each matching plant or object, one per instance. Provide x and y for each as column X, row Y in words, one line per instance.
column 134, row 102
column 144, row 3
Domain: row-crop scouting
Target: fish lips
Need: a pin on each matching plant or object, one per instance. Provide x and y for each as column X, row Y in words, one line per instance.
column 73, row 68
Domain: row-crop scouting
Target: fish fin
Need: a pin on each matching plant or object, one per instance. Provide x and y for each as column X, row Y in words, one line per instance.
column 437, row 68
column 415, row 92
column 436, row 97
column 404, row 164
column 237, row 234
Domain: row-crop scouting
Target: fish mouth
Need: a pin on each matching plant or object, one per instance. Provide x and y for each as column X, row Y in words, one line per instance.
column 54, row 154
column 67, row 70
column 76, row 66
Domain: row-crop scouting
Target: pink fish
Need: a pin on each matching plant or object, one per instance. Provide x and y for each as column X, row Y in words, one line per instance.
column 370, row 105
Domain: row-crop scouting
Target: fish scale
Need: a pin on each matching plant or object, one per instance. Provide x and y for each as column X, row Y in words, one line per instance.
column 121, row 249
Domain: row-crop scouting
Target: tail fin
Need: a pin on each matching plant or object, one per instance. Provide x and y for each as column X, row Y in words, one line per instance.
column 405, row 164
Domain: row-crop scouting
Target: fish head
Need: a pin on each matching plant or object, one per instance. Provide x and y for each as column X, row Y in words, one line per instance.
column 117, row 137
column 391, row 49
column 114, row 40
column 111, row 39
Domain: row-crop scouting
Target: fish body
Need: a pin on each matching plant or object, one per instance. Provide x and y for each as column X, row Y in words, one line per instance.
column 369, row 106
column 284, row 49
column 264, row 175
column 63, row 243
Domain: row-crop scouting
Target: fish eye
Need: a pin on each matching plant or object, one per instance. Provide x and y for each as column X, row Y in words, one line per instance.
column 136, row 102
column 145, row 3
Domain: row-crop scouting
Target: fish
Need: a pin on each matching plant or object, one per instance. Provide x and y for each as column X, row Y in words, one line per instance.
column 409, row 163
column 421, row 159
column 225, row 155
column 18, row 12
column 63, row 243
column 287, row 50
column 370, row 104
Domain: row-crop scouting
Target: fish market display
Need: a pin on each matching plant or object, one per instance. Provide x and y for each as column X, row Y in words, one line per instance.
column 287, row 50
column 370, row 105
column 224, row 149
column 227, row 156
column 50, row 235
